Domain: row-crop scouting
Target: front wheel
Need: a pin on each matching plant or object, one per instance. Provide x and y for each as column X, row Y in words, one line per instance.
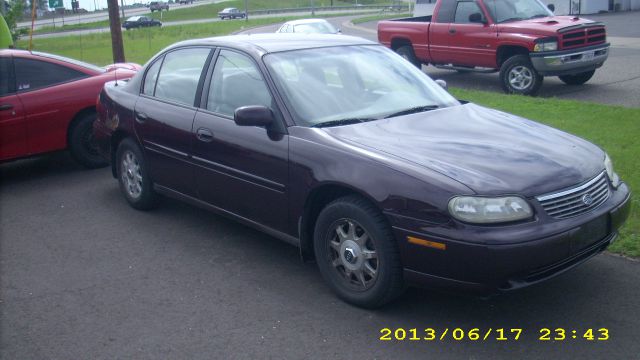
column 133, row 176
column 82, row 143
column 407, row 53
column 357, row 254
column 577, row 79
column 518, row 76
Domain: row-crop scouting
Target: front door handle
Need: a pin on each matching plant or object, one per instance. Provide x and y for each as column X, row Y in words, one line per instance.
column 452, row 31
column 141, row 117
column 204, row 135
column 4, row 107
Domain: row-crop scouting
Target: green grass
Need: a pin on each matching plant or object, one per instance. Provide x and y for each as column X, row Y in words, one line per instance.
column 378, row 17
column 140, row 44
column 71, row 27
column 614, row 128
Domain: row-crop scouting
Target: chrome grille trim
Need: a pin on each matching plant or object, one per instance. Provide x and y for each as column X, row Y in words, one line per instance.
column 569, row 203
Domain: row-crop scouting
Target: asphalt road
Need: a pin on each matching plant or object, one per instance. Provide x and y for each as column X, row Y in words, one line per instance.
column 84, row 276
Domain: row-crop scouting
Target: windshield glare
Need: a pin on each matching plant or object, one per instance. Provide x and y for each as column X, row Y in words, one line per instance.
column 513, row 10
column 316, row 27
column 347, row 82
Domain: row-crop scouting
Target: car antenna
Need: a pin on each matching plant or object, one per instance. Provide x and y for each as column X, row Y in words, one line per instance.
column 115, row 75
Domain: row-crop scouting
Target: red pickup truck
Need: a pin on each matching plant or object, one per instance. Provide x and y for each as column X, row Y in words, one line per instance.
column 520, row 38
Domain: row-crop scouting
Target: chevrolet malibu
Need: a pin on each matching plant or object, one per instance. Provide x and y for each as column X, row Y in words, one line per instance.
column 344, row 149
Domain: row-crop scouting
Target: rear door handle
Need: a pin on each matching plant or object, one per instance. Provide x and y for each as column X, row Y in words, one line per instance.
column 4, row 107
column 204, row 135
column 141, row 117
column 452, row 31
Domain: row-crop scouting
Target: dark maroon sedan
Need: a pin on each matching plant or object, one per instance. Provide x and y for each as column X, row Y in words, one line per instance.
column 341, row 147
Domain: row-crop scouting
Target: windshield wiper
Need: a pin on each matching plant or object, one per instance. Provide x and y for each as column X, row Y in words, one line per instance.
column 537, row 16
column 342, row 122
column 511, row 19
column 413, row 110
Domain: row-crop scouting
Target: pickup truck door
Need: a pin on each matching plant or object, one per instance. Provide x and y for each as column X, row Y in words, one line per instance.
column 439, row 36
column 471, row 43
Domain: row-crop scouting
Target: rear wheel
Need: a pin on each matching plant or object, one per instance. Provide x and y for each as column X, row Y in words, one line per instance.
column 133, row 176
column 357, row 254
column 577, row 79
column 82, row 143
column 407, row 53
column 518, row 76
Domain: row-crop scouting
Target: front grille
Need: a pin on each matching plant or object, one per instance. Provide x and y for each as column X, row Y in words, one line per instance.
column 578, row 200
column 583, row 37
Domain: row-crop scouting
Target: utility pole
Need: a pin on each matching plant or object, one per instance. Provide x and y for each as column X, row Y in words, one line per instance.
column 116, row 31
column 122, row 7
column 313, row 8
column 246, row 10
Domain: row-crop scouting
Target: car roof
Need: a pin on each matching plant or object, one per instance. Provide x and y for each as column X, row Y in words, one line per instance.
column 134, row 18
column 305, row 21
column 277, row 42
column 229, row 9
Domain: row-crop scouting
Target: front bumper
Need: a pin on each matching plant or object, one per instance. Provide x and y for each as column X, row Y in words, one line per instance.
column 567, row 62
column 493, row 267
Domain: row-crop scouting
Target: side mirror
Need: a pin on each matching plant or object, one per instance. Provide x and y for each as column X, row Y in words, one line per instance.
column 551, row 7
column 443, row 84
column 253, row 115
column 476, row 18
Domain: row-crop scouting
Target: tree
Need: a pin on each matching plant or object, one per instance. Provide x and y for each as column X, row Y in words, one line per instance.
column 13, row 15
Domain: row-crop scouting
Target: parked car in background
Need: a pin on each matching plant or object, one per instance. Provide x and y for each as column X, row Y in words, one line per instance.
column 140, row 21
column 308, row 26
column 158, row 6
column 521, row 39
column 232, row 13
column 337, row 145
column 186, row 2
column 48, row 103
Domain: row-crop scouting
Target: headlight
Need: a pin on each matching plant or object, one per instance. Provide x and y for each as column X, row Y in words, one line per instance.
column 613, row 177
column 487, row 210
column 546, row 46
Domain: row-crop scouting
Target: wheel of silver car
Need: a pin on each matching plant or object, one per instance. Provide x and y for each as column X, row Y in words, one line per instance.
column 518, row 76
column 133, row 177
column 356, row 252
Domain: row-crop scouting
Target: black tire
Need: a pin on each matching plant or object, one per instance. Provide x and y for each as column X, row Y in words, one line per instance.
column 577, row 79
column 134, row 175
column 528, row 83
column 82, row 145
column 407, row 53
column 352, row 285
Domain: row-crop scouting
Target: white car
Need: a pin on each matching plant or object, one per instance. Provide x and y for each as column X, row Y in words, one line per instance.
column 308, row 26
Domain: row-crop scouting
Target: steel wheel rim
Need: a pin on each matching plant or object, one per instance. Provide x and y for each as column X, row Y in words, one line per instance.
column 131, row 175
column 520, row 77
column 352, row 255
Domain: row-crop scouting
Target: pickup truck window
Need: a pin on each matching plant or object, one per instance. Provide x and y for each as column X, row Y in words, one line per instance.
column 514, row 10
column 464, row 9
column 446, row 11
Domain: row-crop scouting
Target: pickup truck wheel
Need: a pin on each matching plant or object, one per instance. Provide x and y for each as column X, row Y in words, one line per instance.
column 577, row 79
column 357, row 254
column 518, row 76
column 407, row 53
column 82, row 144
column 133, row 176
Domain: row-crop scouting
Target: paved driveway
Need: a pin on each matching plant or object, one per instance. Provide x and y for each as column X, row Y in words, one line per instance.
column 84, row 276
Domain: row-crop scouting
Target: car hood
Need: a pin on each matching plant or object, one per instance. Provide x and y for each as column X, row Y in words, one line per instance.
column 547, row 26
column 489, row 151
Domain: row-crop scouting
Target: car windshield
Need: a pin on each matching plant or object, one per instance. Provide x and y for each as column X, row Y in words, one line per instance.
column 229, row 10
column 340, row 85
column 133, row 18
column 514, row 10
column 319, row 27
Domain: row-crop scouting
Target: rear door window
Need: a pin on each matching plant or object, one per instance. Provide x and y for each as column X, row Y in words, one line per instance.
column 180, row 74
column 6, row 80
